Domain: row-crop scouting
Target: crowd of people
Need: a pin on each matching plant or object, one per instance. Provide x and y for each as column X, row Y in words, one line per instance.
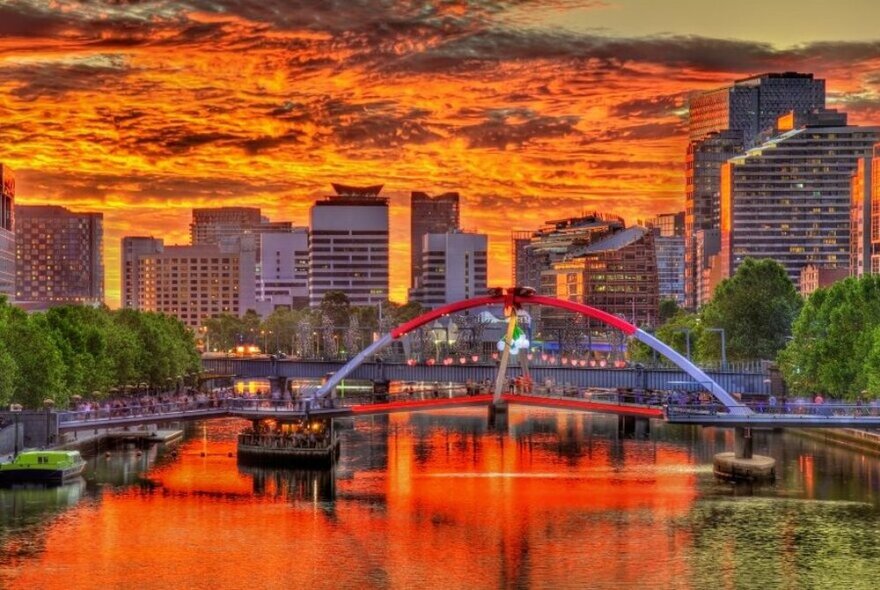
column 296, row 435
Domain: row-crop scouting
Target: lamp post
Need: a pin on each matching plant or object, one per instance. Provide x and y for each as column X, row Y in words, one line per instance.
column 723, row 345
column 687, row 339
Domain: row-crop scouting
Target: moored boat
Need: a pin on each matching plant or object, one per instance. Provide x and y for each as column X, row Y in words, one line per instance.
column 42, row 467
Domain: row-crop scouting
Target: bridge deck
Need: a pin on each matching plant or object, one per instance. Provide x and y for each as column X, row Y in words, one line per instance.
column 259, row 409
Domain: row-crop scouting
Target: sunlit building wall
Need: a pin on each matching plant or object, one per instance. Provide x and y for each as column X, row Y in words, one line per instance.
column 454, row 267
column 860, row 219
column 58, row 255
column 789, row 198
column 430, row 215
column 349, row 244
column 133, row 248
column 7, row 232
column 194, row 283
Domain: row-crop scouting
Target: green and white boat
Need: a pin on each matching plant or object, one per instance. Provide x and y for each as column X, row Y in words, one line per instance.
column 42, row 467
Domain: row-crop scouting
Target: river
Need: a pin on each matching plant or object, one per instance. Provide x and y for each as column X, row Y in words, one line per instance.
column 441, row 500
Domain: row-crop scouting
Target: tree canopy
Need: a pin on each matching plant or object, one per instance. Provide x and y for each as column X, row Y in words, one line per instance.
column 835, row 347
column 77, row 350
column 755, row 308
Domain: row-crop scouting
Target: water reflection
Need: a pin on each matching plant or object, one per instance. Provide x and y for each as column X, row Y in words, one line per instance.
column 292, row 484
column 440, row 499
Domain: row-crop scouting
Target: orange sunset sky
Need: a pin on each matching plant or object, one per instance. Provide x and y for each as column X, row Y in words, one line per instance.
column 532, row 110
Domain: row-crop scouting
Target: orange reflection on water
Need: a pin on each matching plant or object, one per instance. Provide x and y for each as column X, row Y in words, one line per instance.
column 449, row 508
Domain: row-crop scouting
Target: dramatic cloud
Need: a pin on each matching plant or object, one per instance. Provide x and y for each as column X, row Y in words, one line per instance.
column 144, row 109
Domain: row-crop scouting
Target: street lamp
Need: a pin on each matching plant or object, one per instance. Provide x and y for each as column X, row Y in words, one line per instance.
column 723, row 345
column 687, row 337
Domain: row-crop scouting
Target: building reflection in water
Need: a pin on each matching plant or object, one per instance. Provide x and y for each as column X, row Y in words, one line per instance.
column 292, row 484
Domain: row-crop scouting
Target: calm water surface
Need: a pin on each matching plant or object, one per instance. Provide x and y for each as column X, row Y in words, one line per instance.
column 440, row 500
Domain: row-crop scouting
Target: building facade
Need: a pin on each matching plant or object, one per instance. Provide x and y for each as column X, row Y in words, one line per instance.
column 283, row 271
column 349, row 245
column 860, row 244
column 557, row 240
column 211, row 224
column 789, row 198
column 430, row 215
column 617, row 274
column 816, row 277
column 194, row 283
column 58, row 255
column 133, row 248
column 454, row 267
column 708, row 265
column 7, row 232
column 723, row 123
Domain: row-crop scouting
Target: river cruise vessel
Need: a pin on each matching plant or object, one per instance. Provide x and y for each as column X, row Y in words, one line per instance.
column 52, row 467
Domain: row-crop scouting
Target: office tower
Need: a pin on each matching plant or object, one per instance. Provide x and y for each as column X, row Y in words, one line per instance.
column 519, row 240
column 194, row 283
column 132, row 249
column 59, row 255
column 708, row 266
column 7, row 232
column 863, row 251
column 723, row 123
column 348, row 250
column 430, row 215
column 617, row 274
column 789, row 198
column 668, row 231
column 283, row 271
column 453, row 268
column 555, row 241
column 210, row 224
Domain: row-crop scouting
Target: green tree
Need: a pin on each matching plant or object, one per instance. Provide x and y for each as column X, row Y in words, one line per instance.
column 668, row 308
column 755, row 308
column 834, row 348
column 40, row 366
column 336, row 307
column 677, row 331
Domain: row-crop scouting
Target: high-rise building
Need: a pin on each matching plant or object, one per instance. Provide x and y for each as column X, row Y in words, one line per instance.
column 752, row 105
column 723, row 123
column 875, row 211
column 58, row 255
column 555, row 241
column 348, row 250
column 617, row 274
column 430, row 215
column 194, row 283
column 789, row 198
column 453, row 268
column 708, row 266
column 519, row 241
column 668, row 231
column 860, row 246
column 211, row 224
column 7, row 232
column 283, row 272
column 133, row 248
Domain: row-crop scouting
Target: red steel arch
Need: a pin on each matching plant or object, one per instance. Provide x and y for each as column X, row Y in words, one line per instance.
column 516, row 297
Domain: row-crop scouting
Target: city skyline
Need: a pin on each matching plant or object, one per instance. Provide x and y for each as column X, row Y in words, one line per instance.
column 531, row 112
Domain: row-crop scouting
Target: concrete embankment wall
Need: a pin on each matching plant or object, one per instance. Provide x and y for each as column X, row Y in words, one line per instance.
column 857, row 440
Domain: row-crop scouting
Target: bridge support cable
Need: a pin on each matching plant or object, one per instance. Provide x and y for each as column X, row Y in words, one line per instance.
column 734, row 406
column 353, row 364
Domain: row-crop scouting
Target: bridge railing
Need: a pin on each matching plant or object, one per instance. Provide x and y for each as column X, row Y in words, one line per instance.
column 138, row 410
column 824, row 410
